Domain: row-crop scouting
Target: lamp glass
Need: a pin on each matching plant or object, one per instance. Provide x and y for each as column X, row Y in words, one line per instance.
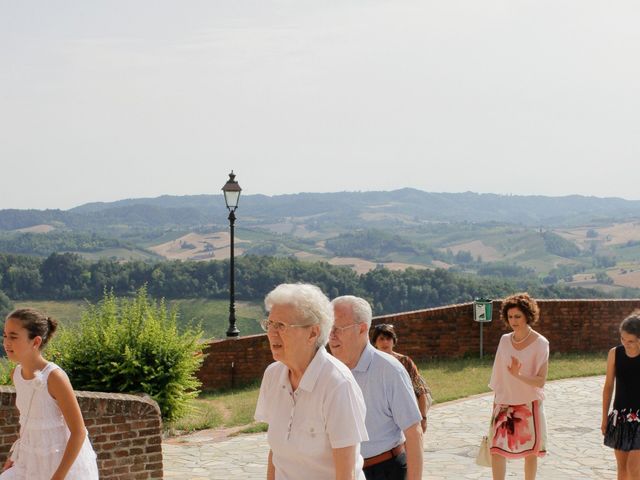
column 231, row 199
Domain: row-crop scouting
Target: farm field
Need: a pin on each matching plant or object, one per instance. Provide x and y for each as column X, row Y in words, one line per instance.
column 212, row 315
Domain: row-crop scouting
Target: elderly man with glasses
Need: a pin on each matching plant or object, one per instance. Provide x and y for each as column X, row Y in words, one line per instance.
column 394, row 448
column 310, row 399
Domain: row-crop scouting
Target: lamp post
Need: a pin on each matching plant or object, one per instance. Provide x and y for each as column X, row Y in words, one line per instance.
column 231, row 192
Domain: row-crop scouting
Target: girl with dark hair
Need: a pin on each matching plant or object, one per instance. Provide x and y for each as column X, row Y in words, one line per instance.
column 518, row 426
column 53, row 443
column 621, row 427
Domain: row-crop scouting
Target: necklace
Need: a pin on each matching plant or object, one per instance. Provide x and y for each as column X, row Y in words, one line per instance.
column 513, row 339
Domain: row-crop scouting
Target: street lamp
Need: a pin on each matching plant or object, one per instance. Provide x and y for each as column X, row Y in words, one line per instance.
column 231, row 192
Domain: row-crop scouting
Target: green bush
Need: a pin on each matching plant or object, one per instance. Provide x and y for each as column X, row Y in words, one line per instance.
column 5, row 371
column 132, row 346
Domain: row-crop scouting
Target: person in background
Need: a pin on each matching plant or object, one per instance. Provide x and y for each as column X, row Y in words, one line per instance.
column 394, row 449
column 312, row 403
column 518, row 425
column 385, row 339
column 621, row 428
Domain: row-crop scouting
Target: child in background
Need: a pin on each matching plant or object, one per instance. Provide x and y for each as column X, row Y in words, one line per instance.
column 621, row 428
column 53, row 442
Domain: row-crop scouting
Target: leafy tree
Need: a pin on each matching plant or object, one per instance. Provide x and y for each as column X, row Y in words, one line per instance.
column 6, row 306
column 64, row 275
column 555, row 244
column 604, row 261
column 602, row 277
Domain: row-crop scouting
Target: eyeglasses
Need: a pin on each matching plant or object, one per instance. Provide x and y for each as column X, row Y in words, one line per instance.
column 278, row 326
column 339, row 330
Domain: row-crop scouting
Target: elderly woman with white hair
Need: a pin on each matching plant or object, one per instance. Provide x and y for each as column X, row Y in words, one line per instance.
column 312, row 403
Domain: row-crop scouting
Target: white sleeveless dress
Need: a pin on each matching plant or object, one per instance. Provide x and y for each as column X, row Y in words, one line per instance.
column 44, row 434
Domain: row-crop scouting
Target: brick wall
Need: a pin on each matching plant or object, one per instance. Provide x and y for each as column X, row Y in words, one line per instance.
column 450, row 332
column 445, row 332
column 125, row 430
column 233, row 362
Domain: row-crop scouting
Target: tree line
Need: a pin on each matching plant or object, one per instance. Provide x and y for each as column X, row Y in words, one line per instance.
column 67, row 276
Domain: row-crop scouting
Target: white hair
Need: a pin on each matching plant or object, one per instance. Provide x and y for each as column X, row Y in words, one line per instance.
column 359, row 306
column 310, row 303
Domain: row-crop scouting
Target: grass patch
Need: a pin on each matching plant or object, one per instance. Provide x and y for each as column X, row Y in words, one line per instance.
column 459, row 378
column 231, row 408
column 255, row 428
column 448, row 379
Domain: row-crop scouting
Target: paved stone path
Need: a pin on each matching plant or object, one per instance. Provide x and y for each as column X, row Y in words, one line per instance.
column 574, row 442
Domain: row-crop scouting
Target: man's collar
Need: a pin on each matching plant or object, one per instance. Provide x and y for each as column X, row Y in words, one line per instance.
column 365, row 358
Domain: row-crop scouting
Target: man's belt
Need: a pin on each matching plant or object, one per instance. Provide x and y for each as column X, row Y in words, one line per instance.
column 383, row 457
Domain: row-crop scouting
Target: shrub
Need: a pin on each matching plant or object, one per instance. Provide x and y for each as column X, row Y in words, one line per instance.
column 5, row 371
column 132, row 345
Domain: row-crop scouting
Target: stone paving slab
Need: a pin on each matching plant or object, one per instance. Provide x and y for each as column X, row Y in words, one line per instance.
column 575, row 444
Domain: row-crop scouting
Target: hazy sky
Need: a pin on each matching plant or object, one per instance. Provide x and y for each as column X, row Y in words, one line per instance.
column 104, row 100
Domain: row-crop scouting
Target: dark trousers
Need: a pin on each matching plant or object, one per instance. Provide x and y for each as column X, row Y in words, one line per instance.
column 393, row 469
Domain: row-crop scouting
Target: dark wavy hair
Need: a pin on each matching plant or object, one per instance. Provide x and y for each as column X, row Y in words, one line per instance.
column 36, row 323
column 524, row 303
column 386, row 330
column 631, row 324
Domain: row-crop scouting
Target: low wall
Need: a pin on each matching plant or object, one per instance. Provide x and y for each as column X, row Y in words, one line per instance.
column 233, row 362
column 125, row 430
column 450, row 332
column 444, row 332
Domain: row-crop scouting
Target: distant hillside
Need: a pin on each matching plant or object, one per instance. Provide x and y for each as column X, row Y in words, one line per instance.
column 319, row 211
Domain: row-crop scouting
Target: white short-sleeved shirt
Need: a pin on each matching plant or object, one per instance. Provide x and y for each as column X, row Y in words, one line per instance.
column 508, row 389
column 391, row 402
column 327, row 411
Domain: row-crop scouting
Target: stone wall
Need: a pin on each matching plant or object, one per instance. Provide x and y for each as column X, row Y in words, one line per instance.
column 445, row 332
column 125, row 430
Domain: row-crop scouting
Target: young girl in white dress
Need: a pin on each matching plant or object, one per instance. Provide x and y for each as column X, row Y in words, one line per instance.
column 53, row 442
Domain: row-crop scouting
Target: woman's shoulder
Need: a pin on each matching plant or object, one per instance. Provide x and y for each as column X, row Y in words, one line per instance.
column 274, row 368
column 541, row 338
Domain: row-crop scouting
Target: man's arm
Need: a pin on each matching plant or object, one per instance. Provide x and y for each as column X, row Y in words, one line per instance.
column 413, row 436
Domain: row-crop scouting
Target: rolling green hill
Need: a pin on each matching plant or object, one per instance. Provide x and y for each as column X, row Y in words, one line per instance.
column 544, row 236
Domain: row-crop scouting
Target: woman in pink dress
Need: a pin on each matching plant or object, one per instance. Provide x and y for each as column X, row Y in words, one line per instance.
column 518, row 425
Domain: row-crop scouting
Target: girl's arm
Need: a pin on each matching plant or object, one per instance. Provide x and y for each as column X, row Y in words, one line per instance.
column 422, row 406
column 344, row 460
column 607, row 390
column 61, row 390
